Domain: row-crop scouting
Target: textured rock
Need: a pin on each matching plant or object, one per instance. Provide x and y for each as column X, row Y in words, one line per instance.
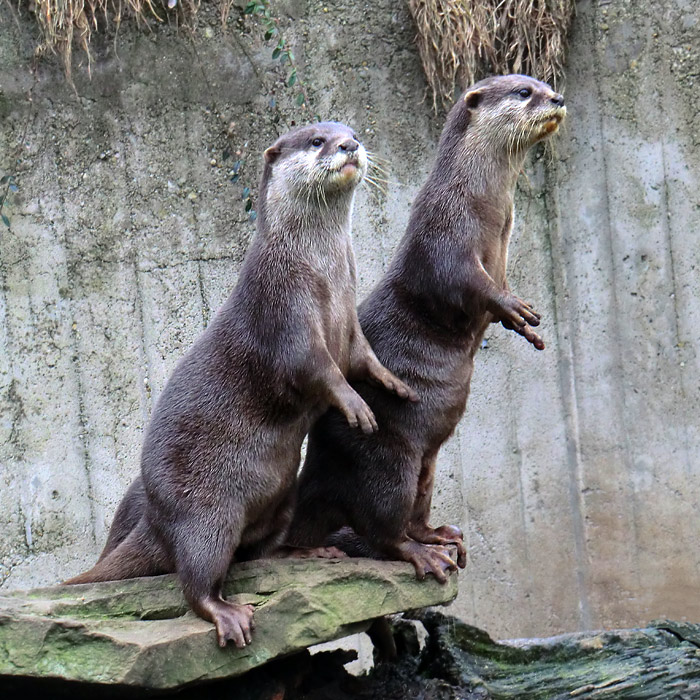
column 140, row 632
column 659, row 661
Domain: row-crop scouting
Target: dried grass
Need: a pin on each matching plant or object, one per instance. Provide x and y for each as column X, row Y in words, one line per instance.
column 462, row 41
column 69, row 24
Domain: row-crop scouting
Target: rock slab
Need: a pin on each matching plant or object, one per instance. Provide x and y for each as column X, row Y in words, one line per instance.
column 140, row 633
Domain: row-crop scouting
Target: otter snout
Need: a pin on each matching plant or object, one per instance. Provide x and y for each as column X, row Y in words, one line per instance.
column 349, row 163
column 348, row 146
column 557, row 100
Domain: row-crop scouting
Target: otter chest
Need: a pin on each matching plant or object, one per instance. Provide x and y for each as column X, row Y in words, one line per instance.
column 337, row 314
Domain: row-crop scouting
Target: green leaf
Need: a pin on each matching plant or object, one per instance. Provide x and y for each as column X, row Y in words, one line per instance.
column 292, row 78
column 237, row 166
column 250, row 8
column 249, row 204
column 253, row 215
column 246, row 193
column 5, row 220
column 301, row 99
column 270, row 33
column 234, row 178
column 5, row 179
column 276, row 53
column 284, row 57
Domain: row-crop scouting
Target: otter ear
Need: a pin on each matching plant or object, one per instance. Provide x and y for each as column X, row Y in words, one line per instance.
column 473, row 98
column 272, row 154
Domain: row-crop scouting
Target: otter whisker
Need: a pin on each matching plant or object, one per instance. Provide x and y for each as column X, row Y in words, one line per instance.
column 322, row 193
column 376, row 183
column 379, row 174
column 383, row 179
column 375, row 187
column 373, row 165
column 377, row 158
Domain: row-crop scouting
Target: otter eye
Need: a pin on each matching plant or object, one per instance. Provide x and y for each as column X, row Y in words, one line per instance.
column 524, row 93
column 318, row 142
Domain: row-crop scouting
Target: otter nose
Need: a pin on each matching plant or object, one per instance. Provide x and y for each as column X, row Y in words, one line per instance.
column 348, row 146
column 558, row 100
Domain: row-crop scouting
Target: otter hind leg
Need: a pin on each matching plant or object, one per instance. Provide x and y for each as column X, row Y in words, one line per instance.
column 418, row 527
column 139, row 554
column 384, row 515
column 203, row 555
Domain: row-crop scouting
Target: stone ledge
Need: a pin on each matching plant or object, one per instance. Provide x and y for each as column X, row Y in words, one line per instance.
column 139, row 633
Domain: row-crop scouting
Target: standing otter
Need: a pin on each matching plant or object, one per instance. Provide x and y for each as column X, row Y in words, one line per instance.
column 221, row 452
column 425, row 320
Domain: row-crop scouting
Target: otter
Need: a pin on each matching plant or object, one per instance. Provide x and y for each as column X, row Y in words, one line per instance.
column 222, row 449
column 425, row 320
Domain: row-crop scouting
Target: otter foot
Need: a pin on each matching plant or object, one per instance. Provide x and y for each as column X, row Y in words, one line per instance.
column 432, row 559
column 233, row 622
column 312, row 553
column 443, row 535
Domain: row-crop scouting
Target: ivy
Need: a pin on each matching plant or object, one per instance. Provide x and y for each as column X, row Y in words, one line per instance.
column 10, row 186
column 281, row 52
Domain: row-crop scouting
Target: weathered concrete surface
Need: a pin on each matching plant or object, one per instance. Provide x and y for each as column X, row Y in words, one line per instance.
column 141, row 633
column 575, row 472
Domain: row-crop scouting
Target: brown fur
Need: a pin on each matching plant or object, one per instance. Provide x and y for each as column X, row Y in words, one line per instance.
column 221, row 452
column 425, row 320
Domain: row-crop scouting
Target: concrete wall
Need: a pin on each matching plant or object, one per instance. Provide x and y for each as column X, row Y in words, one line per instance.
column 574, row 472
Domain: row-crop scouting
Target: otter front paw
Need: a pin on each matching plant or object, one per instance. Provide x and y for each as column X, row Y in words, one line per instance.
column 358, row 413
column 517, row 312
column 391, row 382
column 527, row 333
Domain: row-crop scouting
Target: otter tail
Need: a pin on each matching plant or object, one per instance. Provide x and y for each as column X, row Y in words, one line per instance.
column 127, row 517
column 137, row 555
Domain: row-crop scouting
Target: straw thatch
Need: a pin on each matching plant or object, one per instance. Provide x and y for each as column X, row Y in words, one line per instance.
column 461, row 41
column 69, row 24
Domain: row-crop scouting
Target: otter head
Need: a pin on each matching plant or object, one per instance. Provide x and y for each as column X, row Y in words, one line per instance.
column 510, row 112
column 313, row 163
